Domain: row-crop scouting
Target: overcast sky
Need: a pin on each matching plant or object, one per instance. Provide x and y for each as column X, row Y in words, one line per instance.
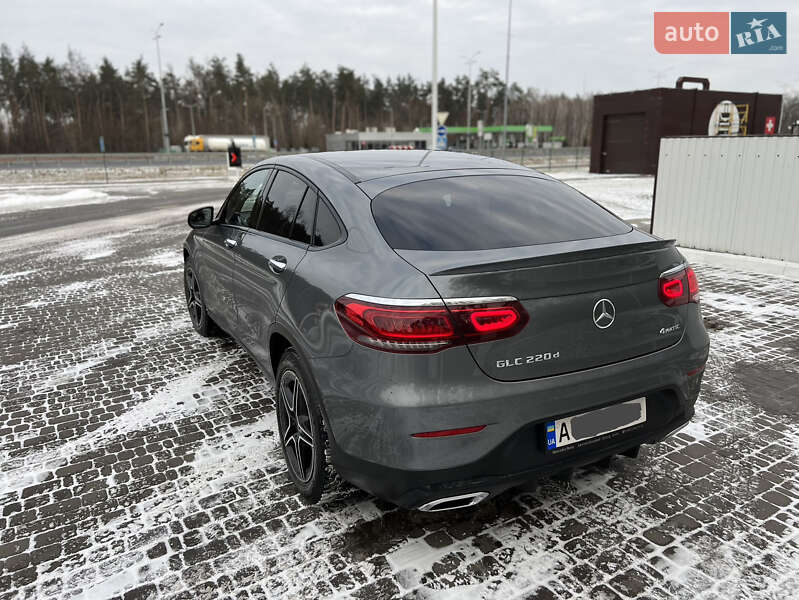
column 556, row 45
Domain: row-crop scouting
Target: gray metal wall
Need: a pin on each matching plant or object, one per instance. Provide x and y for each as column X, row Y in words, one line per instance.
column 730, row 194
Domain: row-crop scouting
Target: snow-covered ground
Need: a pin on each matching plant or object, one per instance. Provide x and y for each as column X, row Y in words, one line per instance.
column 629, row 196
column 99, row 174
column 15, row 202
column 32, row 197
column 139, row 460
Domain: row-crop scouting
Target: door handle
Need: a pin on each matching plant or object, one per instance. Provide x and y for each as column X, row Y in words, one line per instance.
column 231, row 243
column 277, row 264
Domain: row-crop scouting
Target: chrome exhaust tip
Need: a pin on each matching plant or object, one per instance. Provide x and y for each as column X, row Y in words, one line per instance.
column 454, row 502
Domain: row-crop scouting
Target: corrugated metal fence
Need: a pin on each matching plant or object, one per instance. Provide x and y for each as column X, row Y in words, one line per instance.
column 730, row 194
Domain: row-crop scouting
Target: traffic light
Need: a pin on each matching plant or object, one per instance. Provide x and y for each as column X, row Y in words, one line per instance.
column 233, row 156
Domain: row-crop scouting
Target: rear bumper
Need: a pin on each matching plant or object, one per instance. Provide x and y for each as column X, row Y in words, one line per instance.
column 519, row 459
column 374, row 401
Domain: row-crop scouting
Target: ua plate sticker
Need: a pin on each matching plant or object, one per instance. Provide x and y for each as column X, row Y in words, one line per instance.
column 551, row 436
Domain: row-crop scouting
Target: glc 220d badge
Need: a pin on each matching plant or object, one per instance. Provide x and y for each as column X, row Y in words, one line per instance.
column 527, row 360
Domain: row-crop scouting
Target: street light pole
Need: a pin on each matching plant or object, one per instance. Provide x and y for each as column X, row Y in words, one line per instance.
column 164, row 124
column 507, row 69
column 434, row 89
column 470, row 61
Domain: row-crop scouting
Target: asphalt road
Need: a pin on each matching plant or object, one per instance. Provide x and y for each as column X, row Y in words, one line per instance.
column 134, row 204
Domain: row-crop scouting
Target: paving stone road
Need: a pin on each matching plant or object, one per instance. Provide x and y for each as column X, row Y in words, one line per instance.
column 138, row 460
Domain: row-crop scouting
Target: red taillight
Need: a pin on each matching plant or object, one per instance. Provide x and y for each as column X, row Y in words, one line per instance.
column 493, row 319
column 401, row 324
column 409, row 325
column 693, row 284
column 449, row 432
column 671, row 288
column 679, row 287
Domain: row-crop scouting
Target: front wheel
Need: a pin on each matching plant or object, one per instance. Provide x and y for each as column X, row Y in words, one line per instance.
column 299, row 422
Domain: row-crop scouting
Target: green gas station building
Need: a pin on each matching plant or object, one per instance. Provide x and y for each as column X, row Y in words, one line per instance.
column 489, row 136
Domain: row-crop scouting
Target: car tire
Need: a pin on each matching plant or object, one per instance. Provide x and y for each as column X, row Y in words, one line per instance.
column 200, row 319
column 300, row 426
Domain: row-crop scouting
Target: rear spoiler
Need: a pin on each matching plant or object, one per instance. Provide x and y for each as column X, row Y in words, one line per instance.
column 559, row 258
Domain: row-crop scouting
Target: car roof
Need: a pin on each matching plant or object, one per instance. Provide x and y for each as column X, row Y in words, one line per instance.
column 365, row 165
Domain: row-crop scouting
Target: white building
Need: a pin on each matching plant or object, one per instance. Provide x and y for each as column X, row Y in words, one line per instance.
column 371, row 139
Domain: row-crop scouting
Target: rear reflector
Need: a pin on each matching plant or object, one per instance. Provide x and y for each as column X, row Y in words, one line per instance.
column 693, row 372
column 428, row 325
column 448, row 432
column 678, row 287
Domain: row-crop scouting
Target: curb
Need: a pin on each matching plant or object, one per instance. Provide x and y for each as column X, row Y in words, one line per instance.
column 766, row 266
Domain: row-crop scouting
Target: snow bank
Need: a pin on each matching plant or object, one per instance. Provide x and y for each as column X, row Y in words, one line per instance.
column 16, row 202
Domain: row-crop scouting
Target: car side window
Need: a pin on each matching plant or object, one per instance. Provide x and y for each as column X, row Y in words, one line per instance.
column 327, row 229
column 303, row 224
column 241, row 207
column 281, row 204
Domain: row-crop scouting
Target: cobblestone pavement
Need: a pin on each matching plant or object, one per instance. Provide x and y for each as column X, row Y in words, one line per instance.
column 139, row 460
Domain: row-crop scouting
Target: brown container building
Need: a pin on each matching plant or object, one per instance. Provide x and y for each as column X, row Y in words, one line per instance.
column 627, row 126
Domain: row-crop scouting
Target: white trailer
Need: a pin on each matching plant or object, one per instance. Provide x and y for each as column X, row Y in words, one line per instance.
column 220, row 143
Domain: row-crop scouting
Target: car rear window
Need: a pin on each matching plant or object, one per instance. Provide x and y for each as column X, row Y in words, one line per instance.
column 480, row 212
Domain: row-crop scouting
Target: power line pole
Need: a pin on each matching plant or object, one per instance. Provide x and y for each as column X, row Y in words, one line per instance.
column 470, row 61
column 507, row 69
column 164, row 125
column 434, row 103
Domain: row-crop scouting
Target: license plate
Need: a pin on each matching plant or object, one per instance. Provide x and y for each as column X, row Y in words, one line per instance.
column 601, row 423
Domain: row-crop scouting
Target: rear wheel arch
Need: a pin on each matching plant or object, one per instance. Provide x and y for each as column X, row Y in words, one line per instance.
column 279, row 342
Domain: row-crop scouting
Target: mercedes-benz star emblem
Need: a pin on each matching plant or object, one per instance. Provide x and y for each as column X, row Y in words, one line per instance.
column 604, row 313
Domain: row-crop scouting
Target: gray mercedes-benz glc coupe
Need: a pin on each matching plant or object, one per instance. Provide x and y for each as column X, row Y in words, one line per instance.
column 442, row 327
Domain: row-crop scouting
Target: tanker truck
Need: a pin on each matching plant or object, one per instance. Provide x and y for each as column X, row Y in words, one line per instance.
column 220, row 143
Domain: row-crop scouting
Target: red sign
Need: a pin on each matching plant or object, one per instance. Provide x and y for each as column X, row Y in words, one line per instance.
column 771, row 125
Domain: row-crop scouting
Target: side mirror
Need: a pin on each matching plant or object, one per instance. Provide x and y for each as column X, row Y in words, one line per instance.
column 202, row 217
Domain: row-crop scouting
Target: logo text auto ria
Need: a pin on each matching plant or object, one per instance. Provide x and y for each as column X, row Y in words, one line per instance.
column 720, row 32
